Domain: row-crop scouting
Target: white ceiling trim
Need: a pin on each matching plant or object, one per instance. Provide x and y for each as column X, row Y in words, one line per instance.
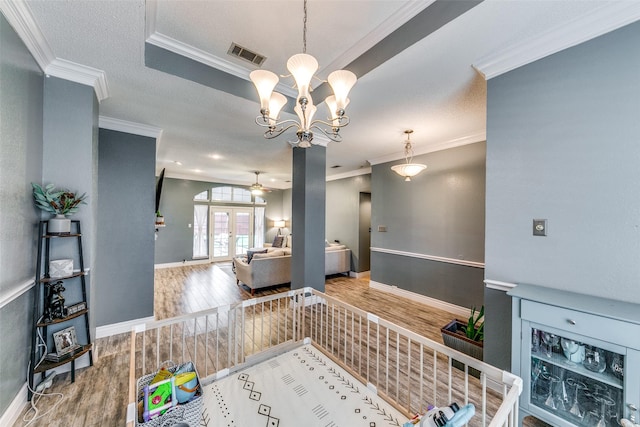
column 465, row 140
column 79, row 73
column 395, row 21
column 21, row 18
column 357, row 172
column 129, row 127
column 199, row 55
column 19, row 15
column 600, row 21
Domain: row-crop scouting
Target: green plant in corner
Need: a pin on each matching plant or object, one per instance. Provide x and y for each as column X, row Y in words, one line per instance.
column 475, row 325
column 56, row 201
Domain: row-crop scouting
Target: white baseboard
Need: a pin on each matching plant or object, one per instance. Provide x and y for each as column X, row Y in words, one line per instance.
column 120, row 328
column 181, row 264
column 14, row 410
column 359, row 275
column 433, row 302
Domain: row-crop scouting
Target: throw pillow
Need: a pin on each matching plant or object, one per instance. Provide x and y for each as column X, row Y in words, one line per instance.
column 278, row 241
column 250, row 254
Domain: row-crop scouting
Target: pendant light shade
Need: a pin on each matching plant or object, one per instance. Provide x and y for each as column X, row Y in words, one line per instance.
column 408, row 169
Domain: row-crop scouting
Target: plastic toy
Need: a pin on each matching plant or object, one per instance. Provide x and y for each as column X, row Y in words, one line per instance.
column 186, row 386
column 449, row 416
column 159, row 397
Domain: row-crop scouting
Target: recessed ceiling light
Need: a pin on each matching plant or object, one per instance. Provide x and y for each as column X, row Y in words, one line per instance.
column 215, row 156
column 177, row 163
column 197, row 170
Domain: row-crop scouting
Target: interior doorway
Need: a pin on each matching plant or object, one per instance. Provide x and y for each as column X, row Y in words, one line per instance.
column 364, row 233
column 231, row 232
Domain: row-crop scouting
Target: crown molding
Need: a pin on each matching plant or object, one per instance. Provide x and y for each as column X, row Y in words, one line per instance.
column 180, row 48
column 430, row 148
column 19, row 15
column 21, row 18
column 129, row 127
column 79, row 73
column 350, row 174
column 586, row 27
column 395, row 21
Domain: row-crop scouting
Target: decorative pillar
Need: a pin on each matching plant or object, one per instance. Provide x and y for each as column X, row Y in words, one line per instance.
column 308, row 217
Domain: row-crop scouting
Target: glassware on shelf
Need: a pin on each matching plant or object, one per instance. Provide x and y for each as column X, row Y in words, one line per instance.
column 579, row 388
column 573, row 350
column 535, row 340
column 550, row 401
column 616, row 364
column 550, row 341
column 594, row 359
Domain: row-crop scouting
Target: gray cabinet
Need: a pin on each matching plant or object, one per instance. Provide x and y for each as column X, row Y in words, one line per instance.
column 578, row 356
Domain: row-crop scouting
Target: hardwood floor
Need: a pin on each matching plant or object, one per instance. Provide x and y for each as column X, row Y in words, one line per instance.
column 99, row 395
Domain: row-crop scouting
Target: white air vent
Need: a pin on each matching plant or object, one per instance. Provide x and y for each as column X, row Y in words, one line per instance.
column 244, row 53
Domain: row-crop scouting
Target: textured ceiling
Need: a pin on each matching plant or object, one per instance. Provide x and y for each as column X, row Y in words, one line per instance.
column 429, row 86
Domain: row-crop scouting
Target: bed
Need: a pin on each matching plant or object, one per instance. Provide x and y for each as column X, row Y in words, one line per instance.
column 374, row 373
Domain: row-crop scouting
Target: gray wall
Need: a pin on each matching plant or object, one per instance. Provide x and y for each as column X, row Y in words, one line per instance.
column 125, row 250
column 21, row 89
column 343, row 214
column 175, row 241
column 70, row 141
column 439, row 213
column 562, row 144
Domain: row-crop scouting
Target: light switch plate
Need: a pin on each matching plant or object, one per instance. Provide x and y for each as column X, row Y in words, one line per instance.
column 539, row 227
column 382, row 228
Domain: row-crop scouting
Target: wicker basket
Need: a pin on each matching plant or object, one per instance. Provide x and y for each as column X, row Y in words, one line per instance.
column 189, row 413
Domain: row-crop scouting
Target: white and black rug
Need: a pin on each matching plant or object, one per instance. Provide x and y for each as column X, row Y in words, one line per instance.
column 299, row 388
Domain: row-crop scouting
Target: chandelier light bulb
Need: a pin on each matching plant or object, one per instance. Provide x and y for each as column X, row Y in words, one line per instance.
column 302, row 67
column 264, row 81
column 276, row 103
column 341, row 82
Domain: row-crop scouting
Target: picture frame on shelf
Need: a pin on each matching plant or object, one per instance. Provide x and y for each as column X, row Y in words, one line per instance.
column 65, row 341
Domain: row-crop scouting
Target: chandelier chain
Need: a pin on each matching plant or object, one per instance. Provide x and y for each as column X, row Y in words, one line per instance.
column 304, row 29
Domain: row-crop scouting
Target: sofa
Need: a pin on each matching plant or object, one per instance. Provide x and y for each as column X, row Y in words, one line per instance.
column 273, row 266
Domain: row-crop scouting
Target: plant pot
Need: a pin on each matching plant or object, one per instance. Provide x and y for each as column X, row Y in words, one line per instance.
column 454, row 337
column 59, row 225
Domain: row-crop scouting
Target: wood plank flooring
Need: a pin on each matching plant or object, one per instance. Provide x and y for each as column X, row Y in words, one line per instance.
column 99, row 395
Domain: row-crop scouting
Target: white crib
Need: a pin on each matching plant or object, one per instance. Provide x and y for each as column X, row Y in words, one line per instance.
column 406, row 370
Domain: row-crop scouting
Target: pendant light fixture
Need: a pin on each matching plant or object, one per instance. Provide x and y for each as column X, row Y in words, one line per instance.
column 303, row 67
column 408, row 169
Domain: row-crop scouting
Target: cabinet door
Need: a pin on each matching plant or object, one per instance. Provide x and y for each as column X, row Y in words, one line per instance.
column 575, row 380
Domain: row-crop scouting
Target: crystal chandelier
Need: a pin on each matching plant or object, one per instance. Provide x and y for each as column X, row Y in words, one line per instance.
column 303, row 67
column 408, row 169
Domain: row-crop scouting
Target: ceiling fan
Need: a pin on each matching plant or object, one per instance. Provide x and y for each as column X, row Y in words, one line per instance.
column 258, row 189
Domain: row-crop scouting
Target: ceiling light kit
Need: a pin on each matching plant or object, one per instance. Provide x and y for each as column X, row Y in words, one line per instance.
column 302, row 67
column 408, row 169
column 257, row 189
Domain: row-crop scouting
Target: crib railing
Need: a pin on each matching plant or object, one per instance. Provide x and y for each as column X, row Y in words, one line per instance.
column 407, row 370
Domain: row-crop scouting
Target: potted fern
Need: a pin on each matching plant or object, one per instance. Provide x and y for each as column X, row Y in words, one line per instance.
column 58, row 202
column 466, row 337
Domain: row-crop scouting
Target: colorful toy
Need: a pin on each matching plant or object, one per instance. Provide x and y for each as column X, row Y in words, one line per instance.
column 158, row 397
column 449, row 416
column 186, row 386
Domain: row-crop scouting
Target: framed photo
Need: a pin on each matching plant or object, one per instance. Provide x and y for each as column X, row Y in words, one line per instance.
column 65, row 341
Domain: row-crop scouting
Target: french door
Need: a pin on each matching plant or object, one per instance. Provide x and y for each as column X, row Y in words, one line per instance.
column 231, row 232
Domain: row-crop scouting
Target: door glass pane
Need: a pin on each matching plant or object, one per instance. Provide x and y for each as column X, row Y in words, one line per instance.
column 243, row 229
column 576, row 381
column 220, row 234
column 200, row 241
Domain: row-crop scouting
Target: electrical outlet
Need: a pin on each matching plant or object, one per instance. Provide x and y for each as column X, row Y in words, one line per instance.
column 539, row 227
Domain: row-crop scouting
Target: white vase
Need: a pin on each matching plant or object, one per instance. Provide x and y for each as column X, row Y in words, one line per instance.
column 58, row 225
